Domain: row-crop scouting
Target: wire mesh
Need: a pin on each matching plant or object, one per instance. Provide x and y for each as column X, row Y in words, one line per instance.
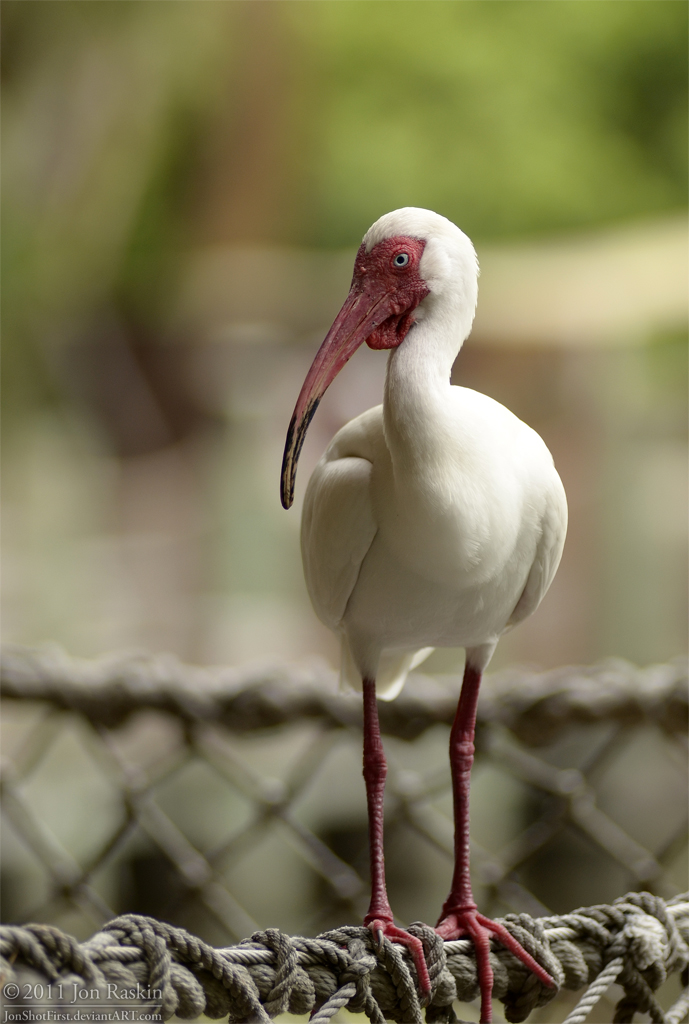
column 227, row 800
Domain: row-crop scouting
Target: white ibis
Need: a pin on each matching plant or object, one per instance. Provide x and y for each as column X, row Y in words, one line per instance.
column 434, row 520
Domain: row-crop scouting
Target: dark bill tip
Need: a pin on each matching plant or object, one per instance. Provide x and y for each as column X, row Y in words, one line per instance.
column 293, row 446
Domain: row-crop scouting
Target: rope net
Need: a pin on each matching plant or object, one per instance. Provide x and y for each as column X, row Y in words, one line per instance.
column 638, row 942
column 141, row 728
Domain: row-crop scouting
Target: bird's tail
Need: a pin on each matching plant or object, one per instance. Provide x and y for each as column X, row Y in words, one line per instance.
column 393, row 668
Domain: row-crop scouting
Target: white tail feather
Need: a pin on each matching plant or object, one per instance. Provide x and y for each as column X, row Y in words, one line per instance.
column 393, row 669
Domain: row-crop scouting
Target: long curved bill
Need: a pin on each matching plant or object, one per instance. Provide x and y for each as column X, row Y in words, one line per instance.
column 355, row 322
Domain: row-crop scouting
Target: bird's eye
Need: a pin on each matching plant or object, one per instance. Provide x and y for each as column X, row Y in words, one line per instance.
column 401, row 259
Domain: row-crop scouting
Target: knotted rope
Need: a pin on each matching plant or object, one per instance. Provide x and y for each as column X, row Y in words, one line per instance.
column 135, row 960
column 534, row 706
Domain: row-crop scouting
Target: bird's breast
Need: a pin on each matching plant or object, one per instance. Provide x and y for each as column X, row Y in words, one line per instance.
column 458, row 487
column 445, row 521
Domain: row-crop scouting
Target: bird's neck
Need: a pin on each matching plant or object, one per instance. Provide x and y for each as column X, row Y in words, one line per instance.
column 417, row 393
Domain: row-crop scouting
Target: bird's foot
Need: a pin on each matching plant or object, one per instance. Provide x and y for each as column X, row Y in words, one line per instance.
column 383, row 927
column 467, row 921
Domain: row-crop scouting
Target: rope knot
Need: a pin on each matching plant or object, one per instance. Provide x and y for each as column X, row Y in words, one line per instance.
column 143, row 932
column 443, row 985
column 406, row 1006
column 523, row 991
column 356, row 965
column 647, row 942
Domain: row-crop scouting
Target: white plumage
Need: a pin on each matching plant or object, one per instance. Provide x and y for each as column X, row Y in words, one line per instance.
column 438, row 518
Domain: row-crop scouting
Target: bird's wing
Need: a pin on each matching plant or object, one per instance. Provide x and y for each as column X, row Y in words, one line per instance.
column 338, row 525
column 548, row 553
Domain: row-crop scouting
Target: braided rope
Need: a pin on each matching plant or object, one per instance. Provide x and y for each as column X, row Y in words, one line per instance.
column 135, row 960
column 535, row 706
column 680, row 1010
column 595, row 990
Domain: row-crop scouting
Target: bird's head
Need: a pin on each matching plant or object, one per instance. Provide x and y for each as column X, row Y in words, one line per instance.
column 413, row 264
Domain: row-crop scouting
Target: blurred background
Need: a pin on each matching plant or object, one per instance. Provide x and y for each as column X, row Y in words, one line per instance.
column 185, row 186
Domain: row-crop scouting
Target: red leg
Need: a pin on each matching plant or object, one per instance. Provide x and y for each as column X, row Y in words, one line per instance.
column 459, row 915
column 379, row 917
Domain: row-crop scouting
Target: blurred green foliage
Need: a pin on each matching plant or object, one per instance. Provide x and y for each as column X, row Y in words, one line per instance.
column 509, row 117
column 134, row 131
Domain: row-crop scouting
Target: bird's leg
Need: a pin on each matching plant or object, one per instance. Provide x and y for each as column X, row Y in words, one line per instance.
column 379, row 918
column 460, row 915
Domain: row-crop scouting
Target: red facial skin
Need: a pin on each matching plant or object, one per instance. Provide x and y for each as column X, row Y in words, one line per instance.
column 379, row 310
column 404, row 287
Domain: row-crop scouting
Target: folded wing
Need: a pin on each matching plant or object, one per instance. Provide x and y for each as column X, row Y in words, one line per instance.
column 337, row 529
column 548, row 553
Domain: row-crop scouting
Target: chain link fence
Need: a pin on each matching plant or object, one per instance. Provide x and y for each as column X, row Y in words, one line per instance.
column 229, row 800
